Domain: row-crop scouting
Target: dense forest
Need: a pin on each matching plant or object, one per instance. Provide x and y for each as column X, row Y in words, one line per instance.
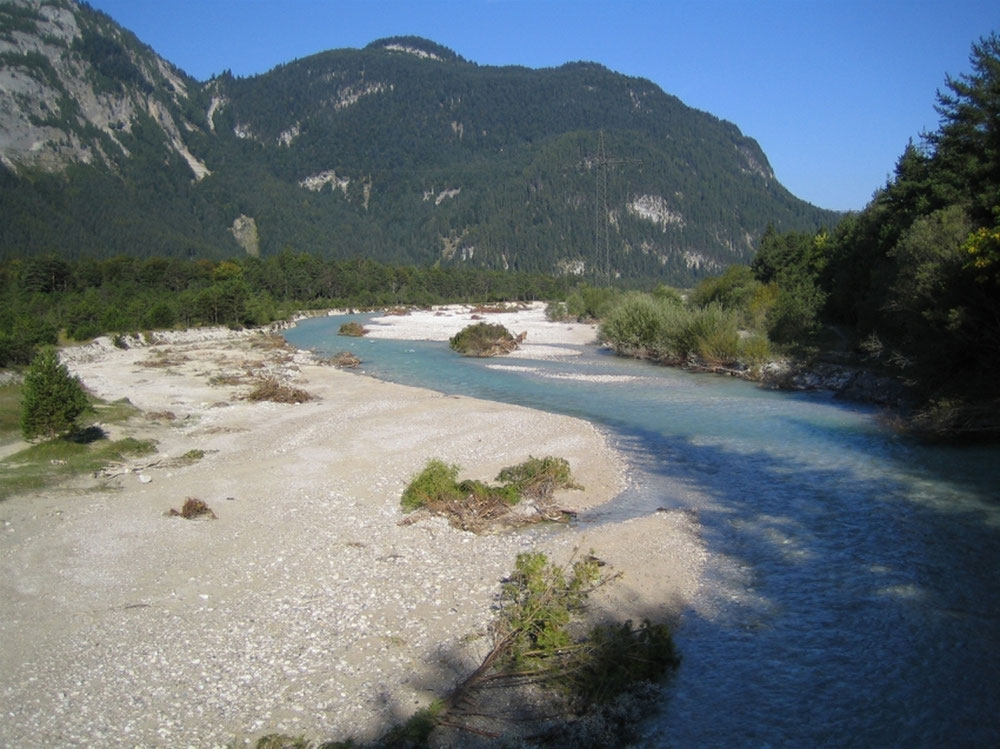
column 402, row 152
column 43, row 297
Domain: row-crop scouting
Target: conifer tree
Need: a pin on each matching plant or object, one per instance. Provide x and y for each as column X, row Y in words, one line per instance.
column 52, row 398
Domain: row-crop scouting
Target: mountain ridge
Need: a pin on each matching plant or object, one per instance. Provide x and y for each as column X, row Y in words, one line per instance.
column 402, row 151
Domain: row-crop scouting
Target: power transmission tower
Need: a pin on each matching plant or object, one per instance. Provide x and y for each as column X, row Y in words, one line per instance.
column 602, row 232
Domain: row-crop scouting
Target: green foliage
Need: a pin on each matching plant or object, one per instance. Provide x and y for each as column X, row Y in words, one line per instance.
column 353, row 329
column 10, row 413
column 48, row 463
column 732, row 290
column 557, row 312
column 966, row 146
column 437, row 482
column 475, row 506
column 120, row 295
column 538, row 477
column 438, row 161
column 482, row 339
column 538, row 604
column 904, row 271
column 668, row 294
column 21, row 337
column 636, row 326
column 792, row 301
column 52, row 398
column 589, row 303
column 660, row 329
column 713, row 335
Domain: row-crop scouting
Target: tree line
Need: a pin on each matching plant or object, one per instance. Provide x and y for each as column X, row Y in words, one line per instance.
column 43, row 297
column 913, row 280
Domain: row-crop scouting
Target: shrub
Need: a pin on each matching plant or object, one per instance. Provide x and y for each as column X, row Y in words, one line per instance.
column 712, row 334
column 22, row 337
column 715, row 335
column 537, row 604
column 538, row 477
column 473, row 505
column 668, row 294
column 353, row 329
column 556, row 312
column 755, row 350
column 733, row 290
column 635, row 325
column 591, row 302
column 436, row 483
column 483, row 339
column 582, row 677
column 51, row 398
column 795, row 313
column 643, row 325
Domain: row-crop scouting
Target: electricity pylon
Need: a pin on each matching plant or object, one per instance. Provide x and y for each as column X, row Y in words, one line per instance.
column 602, row 232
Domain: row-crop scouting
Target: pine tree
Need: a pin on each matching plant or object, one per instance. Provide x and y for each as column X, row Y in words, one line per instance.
column 51, row 398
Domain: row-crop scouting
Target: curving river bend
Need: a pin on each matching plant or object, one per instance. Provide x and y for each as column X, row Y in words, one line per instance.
column 853, row 588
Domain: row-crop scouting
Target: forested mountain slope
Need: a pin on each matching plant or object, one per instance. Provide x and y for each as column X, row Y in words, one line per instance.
column 401, row 152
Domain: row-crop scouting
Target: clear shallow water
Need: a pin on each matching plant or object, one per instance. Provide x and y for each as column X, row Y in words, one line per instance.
column 853, row 594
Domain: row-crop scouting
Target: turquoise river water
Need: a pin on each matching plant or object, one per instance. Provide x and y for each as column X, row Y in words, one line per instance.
column 852, row 597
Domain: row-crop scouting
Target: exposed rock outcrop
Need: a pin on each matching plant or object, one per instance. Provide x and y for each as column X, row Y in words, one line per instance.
column 244, row 230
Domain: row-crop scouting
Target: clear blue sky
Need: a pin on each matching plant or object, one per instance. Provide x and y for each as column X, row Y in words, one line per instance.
column 831, row 89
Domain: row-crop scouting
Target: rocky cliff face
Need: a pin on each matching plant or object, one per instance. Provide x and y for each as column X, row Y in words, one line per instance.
column 72, row 83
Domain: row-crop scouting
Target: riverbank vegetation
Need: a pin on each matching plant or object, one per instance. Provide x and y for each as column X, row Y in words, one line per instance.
column 44, row 300
column 477, row 506
column 553, row 677
column 483, row 339
column 909, row 287
column 84, row 450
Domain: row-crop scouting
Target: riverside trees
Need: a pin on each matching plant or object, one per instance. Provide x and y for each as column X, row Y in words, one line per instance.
column 917, row 272
column 51, row 398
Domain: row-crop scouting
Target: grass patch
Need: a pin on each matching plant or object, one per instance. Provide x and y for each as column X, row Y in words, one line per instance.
column 10, row 413
column 475, row 506
column 114, row 412
column 53, row 462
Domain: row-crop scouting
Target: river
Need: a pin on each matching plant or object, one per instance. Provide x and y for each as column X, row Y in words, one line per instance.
column 852, row 595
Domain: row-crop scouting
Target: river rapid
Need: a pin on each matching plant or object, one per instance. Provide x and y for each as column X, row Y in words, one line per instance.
column 852, row 596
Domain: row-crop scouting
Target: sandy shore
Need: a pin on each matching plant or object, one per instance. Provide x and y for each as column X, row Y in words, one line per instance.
column 542, row 339
column 304, row 608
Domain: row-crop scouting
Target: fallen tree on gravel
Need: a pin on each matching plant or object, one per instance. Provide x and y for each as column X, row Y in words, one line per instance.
column 524, row 496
